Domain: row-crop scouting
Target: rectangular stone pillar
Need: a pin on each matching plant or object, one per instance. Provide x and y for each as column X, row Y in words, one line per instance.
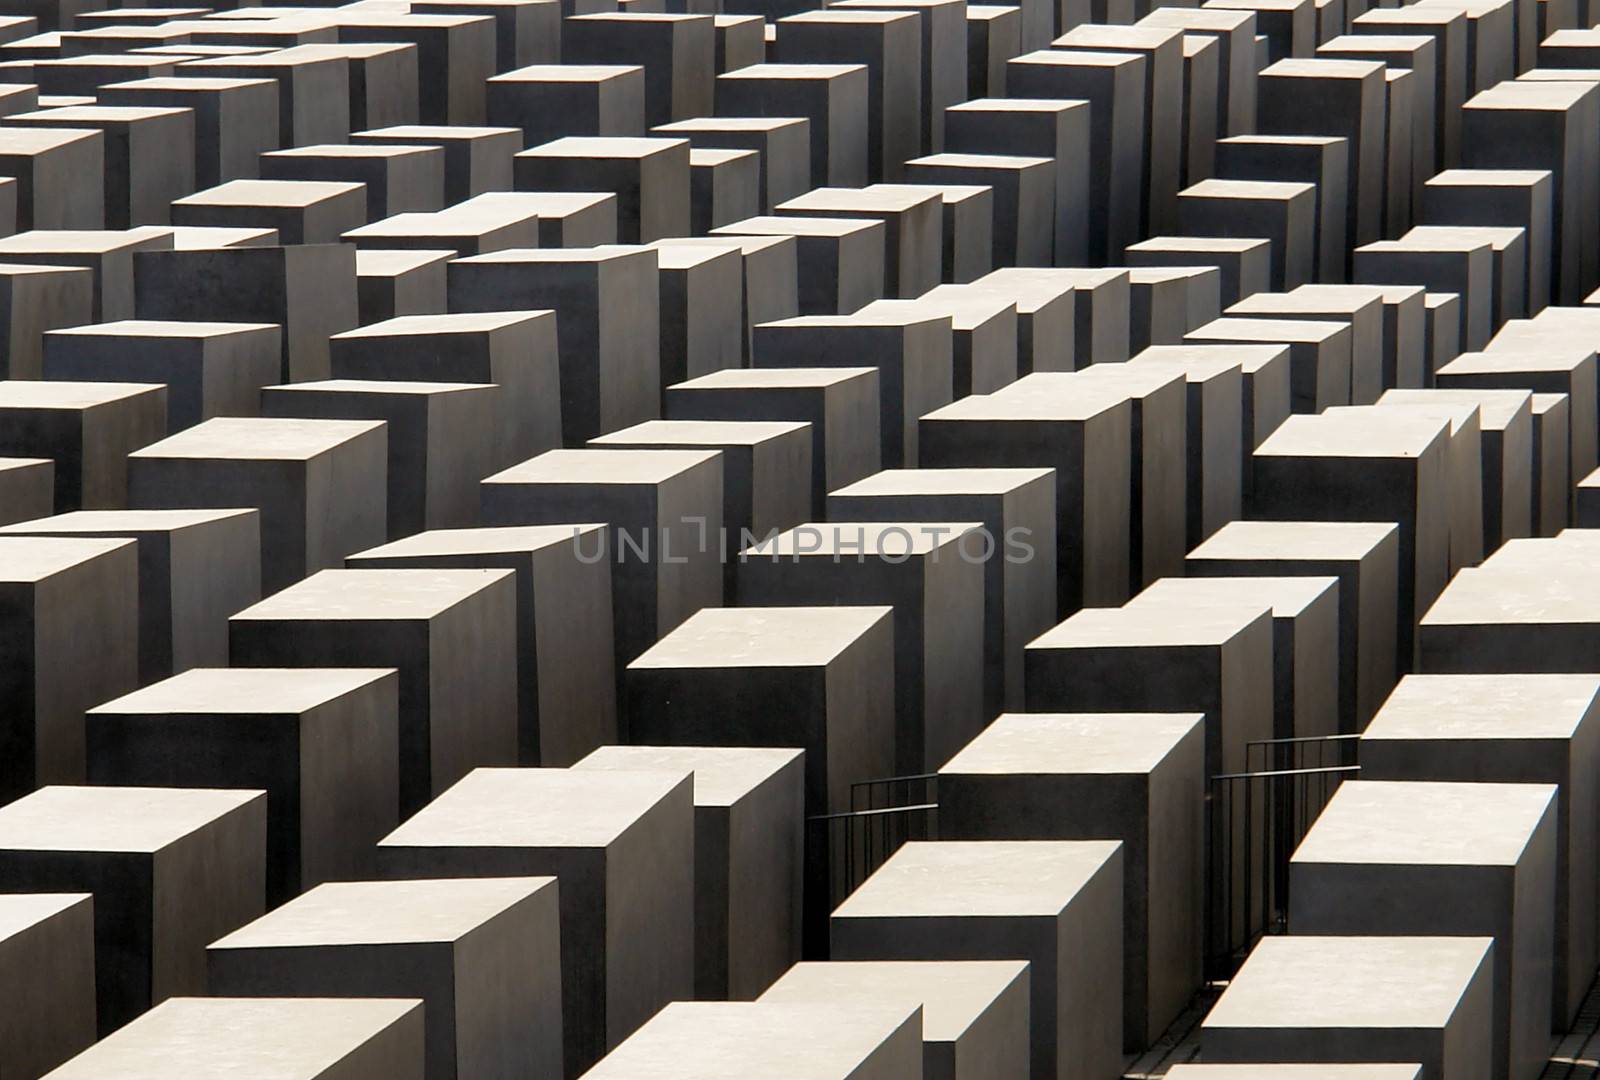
column 1289, row 27
column 1546, row 123
column 1519, row 198
column 1309, row 159
column 450, row 633
column 196, row 568
column 1244, row 263
column 911, row 347
column 974, row 912
column 1364, row 559
column 322, row 743
column 1511, row 729
column 398, row 179
column 1461, row 264
column 1216, row 434
column 1551, row 465
column 829, row 689
column 664, row 508
column 1235, row 35
column 840, row 404
column 1087, row 439
column 1388, row 464
column 476, row 159
column 60, row 658
column 839, row 261
column 1403, row 865
column 1113, row 83
column 1340, row 98
column 1441, row 986
column 833, row 97
column 400, row 282
column 1024, row 199
column 913, row 229
column 784, row 144
column 1358, row 306
column 566, row 673
column 931, row 573
column 889, row 44
column 1138, row 778
column 623, row 841
column 318, row 484
column 675, row 51
column 50, row 1020
column 308, row 289
column 1037, row 127
column 749, row 825
column 482, row 955
column 649, row 176
column 27, row 488
column 193, row 1035
column 183, row 866
column 609, row 349
column 718, row 1040
column 1017, row 509
column 974, row 1020
column 1319, row 354
column 1418, row 54
column 514, row 350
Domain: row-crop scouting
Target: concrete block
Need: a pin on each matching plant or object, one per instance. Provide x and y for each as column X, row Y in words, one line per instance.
column 911, row 347
column 317, row 484
column 831, row 97
column 476, row 159
column 623, row 843
column 1350, row 878
column 196, row 568
column 451, row 633
column 482, row 955
column 147, row 157
column 71, row 642
column 1244, row 263
column 194, row 1035
column 749, row 813
column 171, row 870
column 323, row 744
column 235, row 119
column 974, row 1012
column 1036, row 127
column 1008, row 900
column 1017, row 509
column 606, row 303
column 391, row 283
column 840, row 404
column 839, row 260
column 656, row 502
column 1441, row 987
column 397, row 179
column 551, row 101
column 210, row 369
column 51, row 1020
column 1087, row 439
column 308, row 289
column 934, row 577
column 441, row 438
column 1135, row 778
column 87, row 428
column 726, row 1040
column 676, row 51
column 784, row 144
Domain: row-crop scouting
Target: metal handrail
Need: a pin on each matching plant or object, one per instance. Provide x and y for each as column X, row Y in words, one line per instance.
column 872, row 812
